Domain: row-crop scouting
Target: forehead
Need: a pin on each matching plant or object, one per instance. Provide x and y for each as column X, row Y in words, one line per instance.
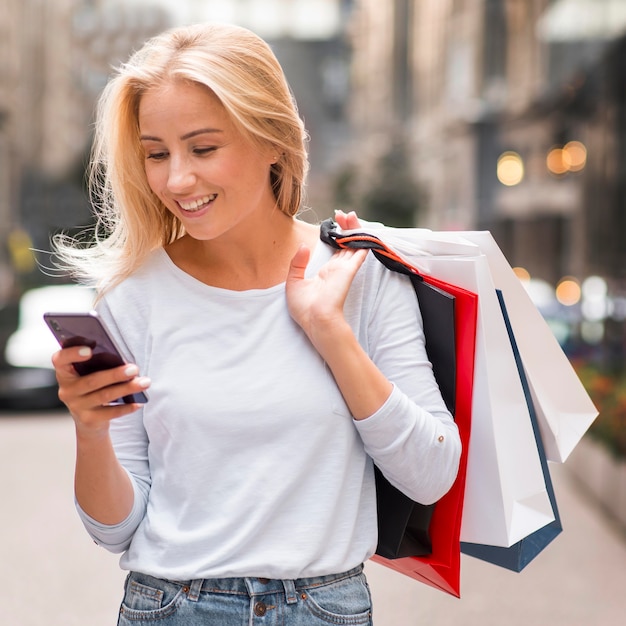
column 180, row 102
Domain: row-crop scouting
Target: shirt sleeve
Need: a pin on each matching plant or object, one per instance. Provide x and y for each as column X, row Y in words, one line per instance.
column 130, row 442
column 412, row 438
column 116, row 538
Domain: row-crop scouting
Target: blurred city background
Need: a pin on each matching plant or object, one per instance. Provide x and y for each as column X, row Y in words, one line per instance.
column 503, row 115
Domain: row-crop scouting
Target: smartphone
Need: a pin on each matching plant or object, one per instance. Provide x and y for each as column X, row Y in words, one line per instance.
column 88, row 329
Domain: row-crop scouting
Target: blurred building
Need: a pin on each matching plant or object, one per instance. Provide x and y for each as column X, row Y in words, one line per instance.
column 309, row 40
column 511, row 113
column 54, row 59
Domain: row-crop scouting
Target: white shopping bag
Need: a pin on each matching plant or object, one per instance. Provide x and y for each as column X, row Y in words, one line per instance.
column 564, row 409
column 505, row 496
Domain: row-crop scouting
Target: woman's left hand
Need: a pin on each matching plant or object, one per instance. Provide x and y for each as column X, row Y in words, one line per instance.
column 316, row 303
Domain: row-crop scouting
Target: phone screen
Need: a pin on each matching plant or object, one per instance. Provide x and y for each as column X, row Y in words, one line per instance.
column 87, row 329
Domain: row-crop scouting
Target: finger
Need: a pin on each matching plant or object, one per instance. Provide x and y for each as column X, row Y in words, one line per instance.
column 106, row 378
column 80, row 396
column 64, row 358
column 352, row 221
column 340, row 218
column 108, row 395
column 299, row 263
column 355, row 259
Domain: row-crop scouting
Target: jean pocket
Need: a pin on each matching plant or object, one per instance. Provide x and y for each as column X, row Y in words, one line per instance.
column 342, row 602
column 147, row 598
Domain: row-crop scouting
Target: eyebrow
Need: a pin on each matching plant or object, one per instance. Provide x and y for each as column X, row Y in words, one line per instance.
column 189, row 135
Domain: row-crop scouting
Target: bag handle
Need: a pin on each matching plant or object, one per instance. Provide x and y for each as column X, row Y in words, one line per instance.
column 365, row 241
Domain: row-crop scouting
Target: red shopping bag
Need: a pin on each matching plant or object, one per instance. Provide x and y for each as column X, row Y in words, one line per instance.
column 440, row 568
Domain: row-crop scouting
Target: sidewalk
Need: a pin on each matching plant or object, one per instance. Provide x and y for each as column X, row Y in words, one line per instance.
column 579, row 580
column 51, row 574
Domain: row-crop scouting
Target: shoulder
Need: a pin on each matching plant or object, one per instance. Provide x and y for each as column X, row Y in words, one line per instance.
column 132, row 291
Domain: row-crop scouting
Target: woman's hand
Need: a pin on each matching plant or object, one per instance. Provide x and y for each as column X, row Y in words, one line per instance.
column 316, row 303
column 88, row 397
column 347, row 221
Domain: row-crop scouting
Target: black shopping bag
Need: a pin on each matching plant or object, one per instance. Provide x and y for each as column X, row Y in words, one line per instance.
column 403, row 525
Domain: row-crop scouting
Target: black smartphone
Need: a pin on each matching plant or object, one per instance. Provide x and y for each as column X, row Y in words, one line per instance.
column 88, row 329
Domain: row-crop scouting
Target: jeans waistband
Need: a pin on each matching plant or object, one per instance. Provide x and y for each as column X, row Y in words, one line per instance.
column 262, row 586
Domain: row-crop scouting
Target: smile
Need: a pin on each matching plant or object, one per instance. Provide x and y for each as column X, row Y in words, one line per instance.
column 196, row 205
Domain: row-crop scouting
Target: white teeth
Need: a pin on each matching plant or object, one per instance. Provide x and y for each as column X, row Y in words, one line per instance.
column 194, row 205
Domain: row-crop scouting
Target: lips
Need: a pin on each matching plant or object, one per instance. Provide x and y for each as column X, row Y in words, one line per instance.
column 196, row 205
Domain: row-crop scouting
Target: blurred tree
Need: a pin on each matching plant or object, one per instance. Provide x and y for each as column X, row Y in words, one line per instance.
column 392, row 195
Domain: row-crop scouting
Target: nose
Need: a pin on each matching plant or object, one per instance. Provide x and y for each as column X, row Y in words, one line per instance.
column 181, row 176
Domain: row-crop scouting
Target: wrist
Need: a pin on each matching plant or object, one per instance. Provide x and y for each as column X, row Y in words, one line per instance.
column 332, row 338
column 91, row 434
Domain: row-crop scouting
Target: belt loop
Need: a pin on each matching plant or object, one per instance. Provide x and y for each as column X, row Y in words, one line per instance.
column 290, row 591
column 194, row 590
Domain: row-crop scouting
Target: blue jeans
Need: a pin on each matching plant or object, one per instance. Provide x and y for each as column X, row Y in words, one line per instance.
column 335, row 599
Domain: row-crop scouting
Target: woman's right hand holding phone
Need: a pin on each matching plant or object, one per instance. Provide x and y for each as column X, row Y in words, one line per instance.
column 102, row 486
column 89, row 398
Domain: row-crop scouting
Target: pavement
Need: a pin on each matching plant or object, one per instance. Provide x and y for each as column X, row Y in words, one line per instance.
column 51, row 574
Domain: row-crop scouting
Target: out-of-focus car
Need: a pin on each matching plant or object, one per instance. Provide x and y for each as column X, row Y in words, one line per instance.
column 27, row 382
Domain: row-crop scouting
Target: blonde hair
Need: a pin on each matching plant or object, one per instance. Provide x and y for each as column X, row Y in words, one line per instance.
column 242, row 71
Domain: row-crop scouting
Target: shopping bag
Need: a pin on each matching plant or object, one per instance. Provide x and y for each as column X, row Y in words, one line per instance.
column 403, row 525
column 440, row 568
column 502, row 504
column 564, row 409
column 519, row 555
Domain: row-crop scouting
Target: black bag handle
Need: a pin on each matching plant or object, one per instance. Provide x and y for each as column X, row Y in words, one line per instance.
column 359, row 241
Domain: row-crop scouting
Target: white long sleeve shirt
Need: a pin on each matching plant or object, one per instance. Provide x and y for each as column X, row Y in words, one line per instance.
column 246, row 460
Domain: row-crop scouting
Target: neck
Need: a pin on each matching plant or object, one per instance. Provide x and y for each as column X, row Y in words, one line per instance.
column 254, row 256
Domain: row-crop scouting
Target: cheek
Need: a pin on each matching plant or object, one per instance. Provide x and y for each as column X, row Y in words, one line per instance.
column 154, row 177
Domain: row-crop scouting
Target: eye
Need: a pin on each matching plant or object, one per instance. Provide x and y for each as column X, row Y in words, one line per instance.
column 157, row 155
column 203, row 150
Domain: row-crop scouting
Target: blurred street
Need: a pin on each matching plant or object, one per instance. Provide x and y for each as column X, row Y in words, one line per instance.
column 52, row 575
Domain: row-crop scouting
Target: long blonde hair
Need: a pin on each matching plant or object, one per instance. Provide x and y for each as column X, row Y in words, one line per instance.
column 242, row 71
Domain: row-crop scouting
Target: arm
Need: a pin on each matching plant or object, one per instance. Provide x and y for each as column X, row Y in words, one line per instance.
column 317, row 306
column 383, row 373
column 102, row 486
column 105, row 493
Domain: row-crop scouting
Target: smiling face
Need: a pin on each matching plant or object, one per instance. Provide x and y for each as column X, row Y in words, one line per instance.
column 205, row 171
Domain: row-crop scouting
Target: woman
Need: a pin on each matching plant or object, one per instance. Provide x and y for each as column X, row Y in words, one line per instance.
column 277, row 369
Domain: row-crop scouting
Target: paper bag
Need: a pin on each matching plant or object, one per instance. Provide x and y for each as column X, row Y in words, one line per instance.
column 520, row 554
column 441, row 568
column 505, row 495
column 453, row 366
column 564, row 409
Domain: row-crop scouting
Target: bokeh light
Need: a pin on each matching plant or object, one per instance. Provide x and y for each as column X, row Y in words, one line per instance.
column 555, row 162
column 510, row 169
column 568, row 291
column 572, row 157
column 522, row 273
column 575, row 156
column 594, row 288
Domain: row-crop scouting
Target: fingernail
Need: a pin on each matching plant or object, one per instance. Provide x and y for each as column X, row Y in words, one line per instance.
column 144, row 382
column 131, row 370
column 85, row 351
